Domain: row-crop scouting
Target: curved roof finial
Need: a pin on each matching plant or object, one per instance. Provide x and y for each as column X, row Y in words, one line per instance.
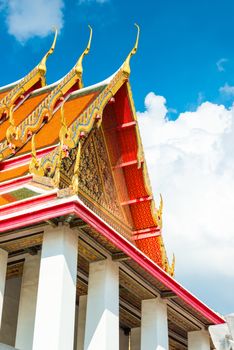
column 79, row 66
column 126, row 66
column 42, row 64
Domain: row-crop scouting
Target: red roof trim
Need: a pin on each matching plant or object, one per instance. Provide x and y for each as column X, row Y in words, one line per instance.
column 88, row 216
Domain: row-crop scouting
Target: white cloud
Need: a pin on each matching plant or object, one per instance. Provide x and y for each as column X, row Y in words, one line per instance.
column 191, row 163
column 227, row 90
column 220, row 64
column 29, row 18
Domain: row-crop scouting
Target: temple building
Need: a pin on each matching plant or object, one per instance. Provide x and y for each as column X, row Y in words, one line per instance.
column 83, row 265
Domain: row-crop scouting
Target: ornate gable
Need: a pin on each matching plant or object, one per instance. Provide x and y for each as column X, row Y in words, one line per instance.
column 97, row 186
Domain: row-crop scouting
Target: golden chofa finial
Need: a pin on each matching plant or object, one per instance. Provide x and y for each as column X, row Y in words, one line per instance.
column 79, row 65
column 42, row 64
column 126, row 66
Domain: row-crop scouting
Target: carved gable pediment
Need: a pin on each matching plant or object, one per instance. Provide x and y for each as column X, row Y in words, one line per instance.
column 97, row 186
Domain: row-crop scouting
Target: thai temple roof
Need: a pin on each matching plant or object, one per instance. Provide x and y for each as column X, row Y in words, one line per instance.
column 42, row 123
column 65, row 143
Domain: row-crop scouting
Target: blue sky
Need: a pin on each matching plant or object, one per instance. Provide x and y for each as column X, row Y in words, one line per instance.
column 183, row 86
column 180, row 45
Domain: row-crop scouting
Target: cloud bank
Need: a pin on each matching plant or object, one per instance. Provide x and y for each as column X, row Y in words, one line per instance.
column 29, row 18
column 191, row 163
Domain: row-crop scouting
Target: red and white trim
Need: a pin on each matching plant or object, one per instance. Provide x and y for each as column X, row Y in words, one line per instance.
column 40, row 211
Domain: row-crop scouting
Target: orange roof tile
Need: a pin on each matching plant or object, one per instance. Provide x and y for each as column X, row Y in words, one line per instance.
column 22, row 112
column 49, row 134
column 13, row 173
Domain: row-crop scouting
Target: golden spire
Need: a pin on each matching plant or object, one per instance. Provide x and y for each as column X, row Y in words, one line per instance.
column 79, row 66
column 42, row 64
column 126, row 66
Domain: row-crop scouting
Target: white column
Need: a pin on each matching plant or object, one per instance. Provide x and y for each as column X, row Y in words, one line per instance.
column 154, row 326
column 102, row 317
column 135, row 338
column 198, row 340
column 27, row 305
column 55, row 310
column 3, row 269
column 81, row 322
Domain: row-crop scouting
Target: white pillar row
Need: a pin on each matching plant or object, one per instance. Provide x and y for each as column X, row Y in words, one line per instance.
column 154, row 325
column 198, row 340
column 81, row 322
column 3, row 269
column 136, row 338
column 55, row 309
column 27, row 304
column 102, row 317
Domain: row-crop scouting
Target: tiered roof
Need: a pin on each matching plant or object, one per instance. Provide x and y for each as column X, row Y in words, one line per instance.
column 73, row 154
column 40, row 125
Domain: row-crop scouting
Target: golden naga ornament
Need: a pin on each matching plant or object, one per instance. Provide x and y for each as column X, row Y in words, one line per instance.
column 160, row 212
column 12, row 132
column 75, row 178
column 56, row 176
column 172, row 267
column 35, row 164
column 65, row 133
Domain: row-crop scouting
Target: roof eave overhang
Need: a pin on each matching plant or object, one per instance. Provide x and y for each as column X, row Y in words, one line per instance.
column 74, row 206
